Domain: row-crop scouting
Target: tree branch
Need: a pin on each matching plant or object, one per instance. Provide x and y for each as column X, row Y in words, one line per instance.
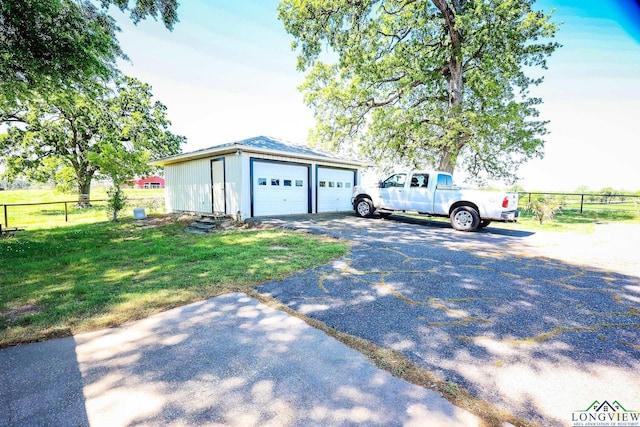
column 450, row 19
column 12, row 118
column 400, row 9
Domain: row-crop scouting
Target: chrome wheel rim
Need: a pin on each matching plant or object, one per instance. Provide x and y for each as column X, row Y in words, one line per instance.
column 463, row 219
column 363, row 208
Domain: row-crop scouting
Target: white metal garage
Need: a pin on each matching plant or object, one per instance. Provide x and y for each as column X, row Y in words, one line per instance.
column 257, row 177
column 334, row 189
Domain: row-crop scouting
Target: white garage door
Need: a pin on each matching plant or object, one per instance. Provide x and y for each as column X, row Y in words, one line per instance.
column 334, row 189
column 280, row 189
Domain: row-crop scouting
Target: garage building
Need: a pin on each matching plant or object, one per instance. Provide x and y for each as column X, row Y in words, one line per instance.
column 259, row 176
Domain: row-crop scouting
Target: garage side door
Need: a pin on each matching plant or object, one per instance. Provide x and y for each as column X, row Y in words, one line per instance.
column 334, row 189
column 217, row 186
column 279, row 188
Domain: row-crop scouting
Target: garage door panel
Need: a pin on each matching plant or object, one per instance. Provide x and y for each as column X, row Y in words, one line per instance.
column 334, row 189
column 280, row 189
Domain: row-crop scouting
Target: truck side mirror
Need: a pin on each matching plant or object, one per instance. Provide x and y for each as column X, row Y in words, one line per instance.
column 380, row 184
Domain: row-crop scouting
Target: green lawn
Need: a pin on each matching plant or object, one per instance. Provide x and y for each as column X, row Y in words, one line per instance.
column 64, row 280
column 569, row 217
column 46, row 216
column 572, row 220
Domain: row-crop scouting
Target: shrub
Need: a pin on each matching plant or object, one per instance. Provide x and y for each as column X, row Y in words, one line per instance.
column 116, row 201
column 543, row 208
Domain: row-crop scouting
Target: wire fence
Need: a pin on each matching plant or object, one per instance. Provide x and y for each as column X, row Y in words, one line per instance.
column 58, row 213
column 586, row 202
column 61, row 212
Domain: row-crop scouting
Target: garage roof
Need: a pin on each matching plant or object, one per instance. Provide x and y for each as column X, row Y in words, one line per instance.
column 262, row 145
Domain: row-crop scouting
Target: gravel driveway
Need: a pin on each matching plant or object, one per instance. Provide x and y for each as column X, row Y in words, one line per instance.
column 540, row 325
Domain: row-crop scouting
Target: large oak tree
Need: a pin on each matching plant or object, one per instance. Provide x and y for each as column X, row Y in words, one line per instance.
column 73, row 135
column 425, row 82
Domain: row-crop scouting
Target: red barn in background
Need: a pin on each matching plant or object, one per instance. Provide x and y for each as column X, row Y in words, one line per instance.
column 149, row 182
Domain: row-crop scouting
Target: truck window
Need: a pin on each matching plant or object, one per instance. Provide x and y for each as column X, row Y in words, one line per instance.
column 419, row 180
column 396, row 180
column 445, row 181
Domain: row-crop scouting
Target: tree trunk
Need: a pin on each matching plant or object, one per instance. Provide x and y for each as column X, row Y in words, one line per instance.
column 453, row 71
column 447, row 160
column 454, row 141
column 84, row 192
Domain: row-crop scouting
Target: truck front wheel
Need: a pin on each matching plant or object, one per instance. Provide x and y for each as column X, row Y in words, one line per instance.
column 364, row 208
column 465, row 218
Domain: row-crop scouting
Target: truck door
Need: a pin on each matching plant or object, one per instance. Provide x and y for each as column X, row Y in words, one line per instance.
column 392, row 192
column 442, row 197
column 418, row 197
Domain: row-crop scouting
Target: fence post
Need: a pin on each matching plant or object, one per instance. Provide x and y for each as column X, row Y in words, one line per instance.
column 6, row 220
column 581, row 202
column 529, row 198
column 66, row 214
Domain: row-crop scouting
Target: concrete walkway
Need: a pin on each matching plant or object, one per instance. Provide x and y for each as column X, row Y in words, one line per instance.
column 227, row 361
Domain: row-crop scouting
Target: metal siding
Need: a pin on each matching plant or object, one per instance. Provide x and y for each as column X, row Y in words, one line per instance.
column 188, row 186
column 234, row 187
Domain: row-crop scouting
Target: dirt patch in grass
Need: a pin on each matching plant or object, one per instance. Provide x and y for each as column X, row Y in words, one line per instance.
column 161, row 220
column 222, row 224
column 12, row 315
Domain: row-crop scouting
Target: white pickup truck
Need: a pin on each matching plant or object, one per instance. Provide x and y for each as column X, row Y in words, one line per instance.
column 433, row 193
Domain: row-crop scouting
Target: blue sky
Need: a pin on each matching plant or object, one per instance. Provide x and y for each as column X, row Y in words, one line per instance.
column 227, row 73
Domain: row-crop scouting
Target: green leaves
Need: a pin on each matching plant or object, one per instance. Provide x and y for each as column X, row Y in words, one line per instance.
column 49, row 45
column 116, row 201
column 113, row 132
column 164, row 9
column 431, row 83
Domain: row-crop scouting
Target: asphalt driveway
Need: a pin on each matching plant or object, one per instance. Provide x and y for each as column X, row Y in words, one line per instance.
column 537, row 336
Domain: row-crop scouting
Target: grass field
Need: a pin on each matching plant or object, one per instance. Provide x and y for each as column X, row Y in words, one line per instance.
column 571, row 220
column 619, row 208
column 59, row 278
column 51, row 215
column 64, row 280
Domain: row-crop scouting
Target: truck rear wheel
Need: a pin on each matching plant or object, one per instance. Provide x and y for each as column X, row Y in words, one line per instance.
column 484, row 223
column 465, row 218
column 364, row 208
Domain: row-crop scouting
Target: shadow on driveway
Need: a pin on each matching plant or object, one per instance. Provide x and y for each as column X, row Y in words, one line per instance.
column 226, row 361
column 538, row 337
